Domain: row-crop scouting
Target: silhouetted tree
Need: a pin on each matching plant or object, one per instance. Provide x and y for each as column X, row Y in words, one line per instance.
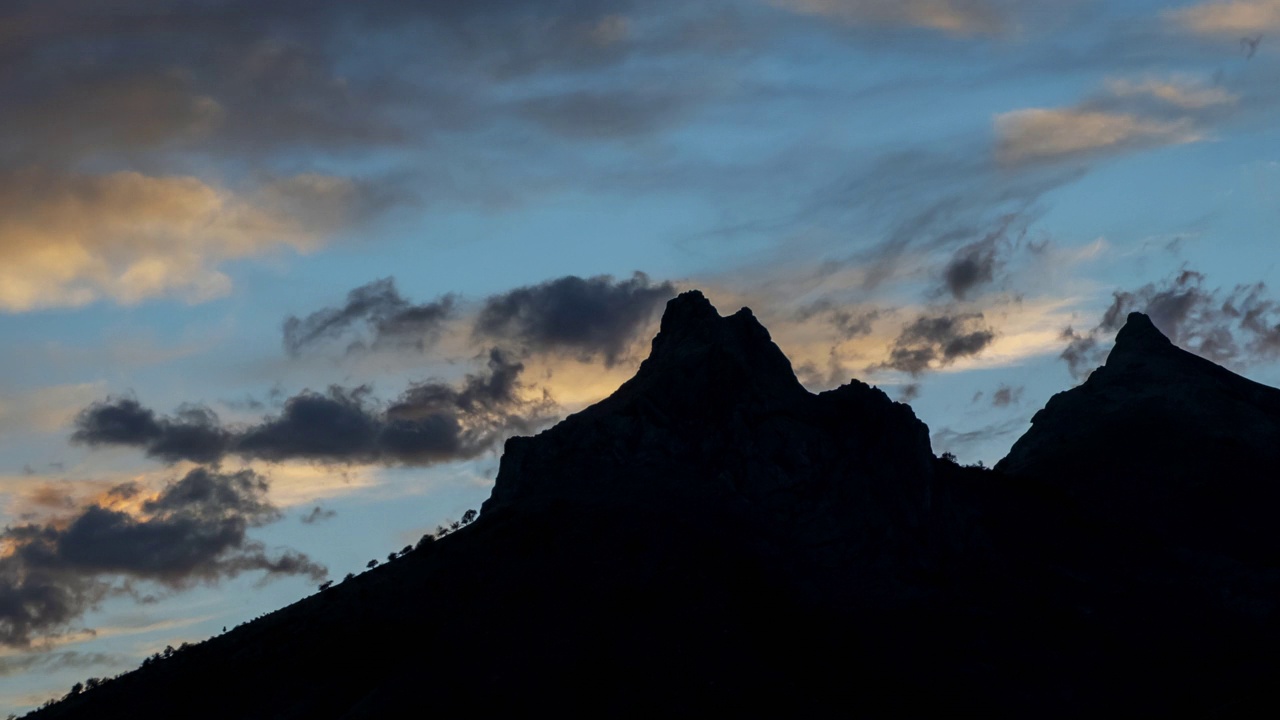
column 468, row 517
column 372, row 564
column 168, row 651
column 92, row 683
column 426, row 540
column 454, row 525
column 326, row 585
column 348, row 577
column 75, row 689
column 391, row 556
column 406, row 550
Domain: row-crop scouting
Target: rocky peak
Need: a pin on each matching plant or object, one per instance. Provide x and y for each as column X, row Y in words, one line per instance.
column 1140, row 342
column 697, row 351
column 716, row 418
column 1139, row 333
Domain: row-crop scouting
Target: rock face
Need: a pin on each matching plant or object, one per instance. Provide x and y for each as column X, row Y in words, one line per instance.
column 716, row 419
column 1163, row 440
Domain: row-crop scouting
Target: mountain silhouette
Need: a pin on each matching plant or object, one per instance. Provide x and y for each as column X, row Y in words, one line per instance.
column 1166, row 441
column 715, row 539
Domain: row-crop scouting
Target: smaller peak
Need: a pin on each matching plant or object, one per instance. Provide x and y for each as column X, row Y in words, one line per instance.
column 1139, row 328
column 1137, row 338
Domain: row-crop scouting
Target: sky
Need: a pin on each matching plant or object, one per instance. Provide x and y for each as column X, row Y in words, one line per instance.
column 278, row 278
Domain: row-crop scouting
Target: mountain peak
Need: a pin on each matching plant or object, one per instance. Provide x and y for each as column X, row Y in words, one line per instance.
column 716, row 413
column 688, row 307
column 1139, row 336
column 693, row 334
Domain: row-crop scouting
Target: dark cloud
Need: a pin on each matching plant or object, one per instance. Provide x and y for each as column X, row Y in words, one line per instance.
column 193, row 433
column 1237, row 326
column 318, row 514
column 584, row 318
column 1082, row 353
column 243, row 77
column 850, row 323
column 1004, row 396
column 195, row 530
column 909, row 392
column 975, row 265
column 338, row 424
column 392, row 320
column 430, row 422
column 938, row 340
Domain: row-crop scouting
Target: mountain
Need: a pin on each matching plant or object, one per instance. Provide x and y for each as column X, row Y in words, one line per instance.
column 715, row 420
column 1167, row 442
column 715, row 539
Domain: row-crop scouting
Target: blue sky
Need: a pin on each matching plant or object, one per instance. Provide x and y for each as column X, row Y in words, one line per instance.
column 943, row 198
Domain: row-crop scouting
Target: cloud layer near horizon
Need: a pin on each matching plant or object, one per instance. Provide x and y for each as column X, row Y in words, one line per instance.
column 194, row 530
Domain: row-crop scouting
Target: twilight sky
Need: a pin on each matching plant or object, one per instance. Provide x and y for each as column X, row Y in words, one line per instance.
column 277, row 278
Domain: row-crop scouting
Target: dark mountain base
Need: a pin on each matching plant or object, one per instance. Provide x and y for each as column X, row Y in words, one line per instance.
column 1014, row 608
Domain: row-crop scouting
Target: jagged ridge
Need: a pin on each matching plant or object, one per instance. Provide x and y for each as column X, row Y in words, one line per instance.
column 715, row 417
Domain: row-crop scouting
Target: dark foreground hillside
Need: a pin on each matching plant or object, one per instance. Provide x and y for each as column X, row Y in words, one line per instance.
column 714, row 538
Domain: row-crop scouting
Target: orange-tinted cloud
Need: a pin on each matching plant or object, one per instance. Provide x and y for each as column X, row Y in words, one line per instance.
column 1036, row 134
column 1231, row 18
column 72, row 239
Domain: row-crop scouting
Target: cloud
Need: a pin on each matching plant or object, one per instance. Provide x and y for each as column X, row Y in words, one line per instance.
column 1181, row 92
column 51, row 662
column 1237, row 326
column 318, row 514
column 195, row 433
column 430, row 422
column 975, row 265
column 393, row 320
column 848, row 322
column 936, row 341
column 953, row 17
column 948, row 439
column 1082, row 353
column 193, row 530
column 909, row 392
column 1047, row 133
column 583, row 318
column 247, row 79
column 1147, row 112
column 1004, row 396
column 70, row 239
column 917, row 203
column 1231, row 18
